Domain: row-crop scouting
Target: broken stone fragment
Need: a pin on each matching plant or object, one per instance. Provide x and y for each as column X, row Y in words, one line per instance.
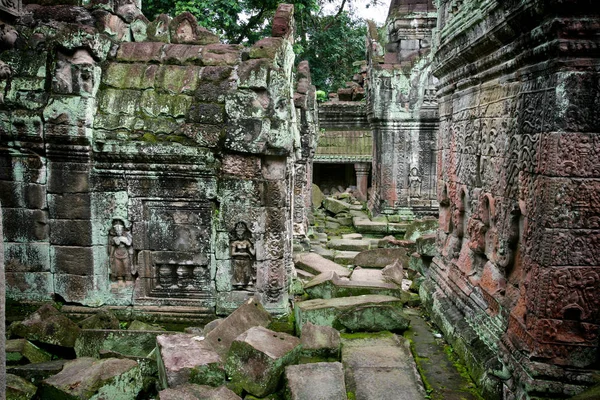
column 187, row 359
column 328, row 311
column 197, row 392
column 320, row 341
column 315, row 381
column 350, row 244
column 103, row 319
column 184, row 29
column 380, row 258
column 158, row 30
column 316, row 264
column 369, row 318
column 426, row 245
column 248, row 315
column 335, row 206
column 86, row 378
column 47, row 325
column 394, row 272
column 35, row 373
column 142, row 326
column 18, row 388
column 328, row 285
column 283, row 22
column 92, row 342
column 257, row 359
column 20, row 351
column 317, row 197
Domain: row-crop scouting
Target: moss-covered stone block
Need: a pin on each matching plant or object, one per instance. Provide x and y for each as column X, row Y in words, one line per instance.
column 254, row 73
column 221, row 54
column 19, row 351
column 130, row 76
column 257, row 359
column 177, row 79
column 47, row 325
column 18, row 388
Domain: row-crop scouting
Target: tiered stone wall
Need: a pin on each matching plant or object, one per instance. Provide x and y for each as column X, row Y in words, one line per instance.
column 147, row 164
column 402, row 111
column 516, row 286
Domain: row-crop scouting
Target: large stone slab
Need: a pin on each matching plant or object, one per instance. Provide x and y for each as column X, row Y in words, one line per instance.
column 328, row 285
column 381, row 368
column 20, row 351
column 335, row 206
column 197, row 392
column 248, row 315
column 327, row 311
column 47, row 325
column 129, row 343
column 368, row 318
column 89, row 378
column 187, row 358
column 36, row 373
column 350, row 244
column 257, row 359
column 103, row 319
column 380, row 258
column 363, row 225
column 315, row 381
column 320, row 341
column 316, row 264
column 18, row 388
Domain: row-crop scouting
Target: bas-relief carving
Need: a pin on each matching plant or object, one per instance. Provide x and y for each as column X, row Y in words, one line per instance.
column 121, row 252
column 414, row 183
column 74, row 73
column 243, row 257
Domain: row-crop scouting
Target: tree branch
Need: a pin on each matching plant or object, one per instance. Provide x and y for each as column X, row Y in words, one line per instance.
column 335, row 16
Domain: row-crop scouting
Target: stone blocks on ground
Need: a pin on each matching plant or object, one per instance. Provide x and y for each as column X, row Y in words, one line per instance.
column 35, row 373
column 18, row 388
column 349, row 244
column 328, row 285
column 381, row 368
column 335, row 206
column 380, row 258
column 198, row 392
column 320, row 341
column 128, row 343
column 89, row 378
column 185, row 358
column 257, row 359
column 364, row 225
column 328, row 311
column 315, row 381
column 248, row 315
column 20, row 351
column 426, row 245
column 47, row 325
column 316, row 264
column 103, row 319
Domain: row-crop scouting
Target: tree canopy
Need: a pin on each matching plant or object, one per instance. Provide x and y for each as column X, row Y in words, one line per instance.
column 330, row 43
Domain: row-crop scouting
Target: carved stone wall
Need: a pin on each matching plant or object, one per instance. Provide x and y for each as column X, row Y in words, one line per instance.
column 132, row 151
column 2, row 313
column 402, row 111
column 516, row 285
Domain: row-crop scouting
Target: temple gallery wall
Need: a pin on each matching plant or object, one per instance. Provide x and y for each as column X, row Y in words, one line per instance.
column 146, row 165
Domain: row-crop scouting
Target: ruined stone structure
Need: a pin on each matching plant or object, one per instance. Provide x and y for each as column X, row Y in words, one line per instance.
column 345, row 149
column 402, row 111
column 146, row 164
column 516, row 284
column 2, row 314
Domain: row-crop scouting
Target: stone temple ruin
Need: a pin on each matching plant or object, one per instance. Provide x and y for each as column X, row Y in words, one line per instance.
column 150, row 171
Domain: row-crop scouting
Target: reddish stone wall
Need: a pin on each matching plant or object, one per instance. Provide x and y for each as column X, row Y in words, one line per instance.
column 516, row 284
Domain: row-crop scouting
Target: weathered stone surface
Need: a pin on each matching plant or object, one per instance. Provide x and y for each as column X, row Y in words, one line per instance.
column 129, row 343
column 47, row 325
column 381, row 368
column 316, row 264
column 86, row 378
column 198, row 392
column 364, row 225
column 36, row 373
column 317, row 196
column 394, row 272
column 327, row 312
column 380, row 258
column 143, row 326
column 315, row 381
column 257, row 359
column 188, row 358
column 250, row 314
column 421, row 227
column 349, row 244
column 283, row 22
column 18, row 388
column 329, row 285
column 334, row 205
column 375, row 319
column 426, row 245
column 21, row 351
column 103, row 319
column 320, row 341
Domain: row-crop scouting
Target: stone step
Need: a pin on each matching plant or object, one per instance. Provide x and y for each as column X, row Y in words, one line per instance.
column 328, row 285
column 345, row 257
column 316, row 381
column 363, row 225
column 316, row 264
column 381, row 368
column 330, row 312
column 349, row 244
column 380, row 258
column 352, row 236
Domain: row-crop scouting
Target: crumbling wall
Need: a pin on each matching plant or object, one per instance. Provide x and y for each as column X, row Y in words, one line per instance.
column 516, row 283
column 402, row 111
column 146, row 164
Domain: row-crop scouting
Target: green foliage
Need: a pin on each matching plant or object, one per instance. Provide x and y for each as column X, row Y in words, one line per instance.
column 321, row 96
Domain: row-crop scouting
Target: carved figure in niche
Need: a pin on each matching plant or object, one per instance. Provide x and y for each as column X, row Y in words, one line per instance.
column 414, row 183
column 121, row 252
column 242, row 256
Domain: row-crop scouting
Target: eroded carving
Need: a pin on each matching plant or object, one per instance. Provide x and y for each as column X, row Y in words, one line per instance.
column 122, row 267
column 243, row 256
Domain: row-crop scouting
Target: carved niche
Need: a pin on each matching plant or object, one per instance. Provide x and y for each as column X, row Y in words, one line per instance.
column 243, row 257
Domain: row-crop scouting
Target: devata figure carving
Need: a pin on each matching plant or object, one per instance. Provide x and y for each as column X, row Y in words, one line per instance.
column 121, row 252
column 414, row 183
column 242, row 257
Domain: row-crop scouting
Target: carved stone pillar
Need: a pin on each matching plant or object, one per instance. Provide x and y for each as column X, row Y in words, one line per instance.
column 362, row 179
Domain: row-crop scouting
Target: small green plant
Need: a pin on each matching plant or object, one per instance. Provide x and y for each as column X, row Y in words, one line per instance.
column 321, row 96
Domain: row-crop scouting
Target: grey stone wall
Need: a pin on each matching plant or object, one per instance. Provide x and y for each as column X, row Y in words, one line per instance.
column 147, row 164
column 2, row 315
column 402, row 111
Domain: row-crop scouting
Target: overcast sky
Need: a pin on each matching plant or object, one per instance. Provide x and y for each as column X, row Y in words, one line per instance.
column 377, row 13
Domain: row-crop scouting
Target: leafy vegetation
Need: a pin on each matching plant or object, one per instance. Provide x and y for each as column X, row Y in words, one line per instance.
column 330, row 43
